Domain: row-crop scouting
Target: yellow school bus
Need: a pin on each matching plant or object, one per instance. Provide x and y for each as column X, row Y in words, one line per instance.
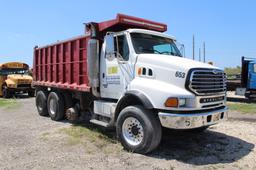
column 14, row 78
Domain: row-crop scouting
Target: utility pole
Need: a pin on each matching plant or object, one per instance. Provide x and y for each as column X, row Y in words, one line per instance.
column 199, row 54
column 204, row 52
column 193, row 47
column 184, row 50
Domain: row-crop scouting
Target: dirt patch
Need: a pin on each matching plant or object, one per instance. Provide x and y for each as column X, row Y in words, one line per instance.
column 239, row 116
column 93, row 139
column 29, row 141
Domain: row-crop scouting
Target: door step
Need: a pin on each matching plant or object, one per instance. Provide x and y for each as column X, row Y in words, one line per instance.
column 100, row 123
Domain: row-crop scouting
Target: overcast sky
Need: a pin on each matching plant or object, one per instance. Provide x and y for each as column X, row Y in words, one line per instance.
column 228, row 27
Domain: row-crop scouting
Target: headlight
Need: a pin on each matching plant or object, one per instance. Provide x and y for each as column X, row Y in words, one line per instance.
column 182, row 102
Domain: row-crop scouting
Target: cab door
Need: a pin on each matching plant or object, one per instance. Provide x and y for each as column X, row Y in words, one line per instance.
column 115, row 73
column 252, row 76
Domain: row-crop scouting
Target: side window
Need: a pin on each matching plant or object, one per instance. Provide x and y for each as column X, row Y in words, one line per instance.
column 122, row 47
column 254, row 68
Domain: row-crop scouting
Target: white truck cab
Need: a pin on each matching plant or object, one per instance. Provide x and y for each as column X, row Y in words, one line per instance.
column 149, row 63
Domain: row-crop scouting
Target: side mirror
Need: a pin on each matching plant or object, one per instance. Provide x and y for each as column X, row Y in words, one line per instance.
column 110, row 48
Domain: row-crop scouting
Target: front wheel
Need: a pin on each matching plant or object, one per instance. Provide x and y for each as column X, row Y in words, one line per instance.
column 138, row 129
column 6, row 92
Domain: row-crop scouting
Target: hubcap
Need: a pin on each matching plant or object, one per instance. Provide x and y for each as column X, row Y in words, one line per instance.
column 52, row 106
column 132, row 131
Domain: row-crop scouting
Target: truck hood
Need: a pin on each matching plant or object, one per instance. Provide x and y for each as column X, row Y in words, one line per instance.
column 18, row 78
column 174, row 62
column 167, row 68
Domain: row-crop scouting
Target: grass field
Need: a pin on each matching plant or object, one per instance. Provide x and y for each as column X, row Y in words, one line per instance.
column 8, row 103
column 242, row 107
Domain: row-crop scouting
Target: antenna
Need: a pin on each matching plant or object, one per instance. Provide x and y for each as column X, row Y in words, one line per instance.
column 199, row 54
column 204, row 51
column 184, row 50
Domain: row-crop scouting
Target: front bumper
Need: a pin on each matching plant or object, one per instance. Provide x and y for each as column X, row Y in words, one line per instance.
column 20, row 89
column 191, row 121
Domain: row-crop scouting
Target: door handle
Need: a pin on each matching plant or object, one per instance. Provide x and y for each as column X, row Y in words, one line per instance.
column 121, row 62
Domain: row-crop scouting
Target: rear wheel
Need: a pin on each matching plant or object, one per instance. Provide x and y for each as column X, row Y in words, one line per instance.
column 41, row 103
column 138, row 129
column 55, row 105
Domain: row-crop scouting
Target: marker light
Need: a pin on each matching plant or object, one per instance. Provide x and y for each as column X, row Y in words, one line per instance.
column 140, row 71
column 175, row 102
column 171, row 102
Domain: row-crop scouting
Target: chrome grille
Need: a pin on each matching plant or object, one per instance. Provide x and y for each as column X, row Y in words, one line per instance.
column 24, row 85
column 208, row 82
column 21, row 81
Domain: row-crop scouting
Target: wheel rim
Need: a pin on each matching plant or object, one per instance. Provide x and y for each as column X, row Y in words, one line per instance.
column 52, row 106
column 132, row 131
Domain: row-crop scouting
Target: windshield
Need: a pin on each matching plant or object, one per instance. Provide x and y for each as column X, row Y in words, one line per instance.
column 152, row 44
column 8, row 71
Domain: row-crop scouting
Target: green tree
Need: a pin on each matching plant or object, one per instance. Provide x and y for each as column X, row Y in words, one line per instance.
column 233, row 70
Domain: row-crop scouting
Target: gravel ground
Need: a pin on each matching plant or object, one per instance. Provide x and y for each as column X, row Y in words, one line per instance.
column 28, row 141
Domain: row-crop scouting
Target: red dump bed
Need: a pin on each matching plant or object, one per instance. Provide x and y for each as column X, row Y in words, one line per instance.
column 64, row 64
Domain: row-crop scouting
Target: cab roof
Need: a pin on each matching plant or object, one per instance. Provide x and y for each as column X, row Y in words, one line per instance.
column 14, row 65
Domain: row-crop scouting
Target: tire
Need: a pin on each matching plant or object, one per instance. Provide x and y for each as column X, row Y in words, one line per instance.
column 143, row 124
column 41, row 103
column 55, row 105
column 6, row 92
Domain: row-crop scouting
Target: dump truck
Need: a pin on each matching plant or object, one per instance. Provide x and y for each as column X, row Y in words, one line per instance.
column 15, row 78
column 127, row 74
column 245, row 83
